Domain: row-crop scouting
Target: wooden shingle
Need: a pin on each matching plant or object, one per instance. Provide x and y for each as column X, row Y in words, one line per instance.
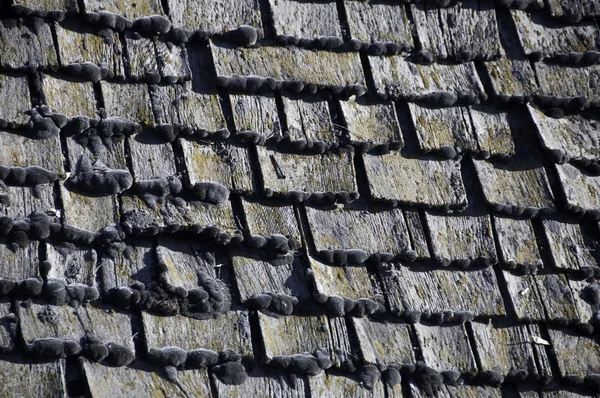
column 305, row 21
column 14, row 95
column 21, row 151
column 151, row 157
column 130, row 11
column 518, row 246
column 581, row 190
column 260, row 383
column 130, row 101
column 25, row 45
column 566, row 245
column 272, row 221
column 309, row 123
column 569, row 86
column 208, row 16
column 576, row 355
column 387, row 343
column 256, row 114
column 331, row 386
column 29, row 380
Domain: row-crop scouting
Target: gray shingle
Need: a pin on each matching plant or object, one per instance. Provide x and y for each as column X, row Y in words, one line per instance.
column 14, row 95
column 25, row 45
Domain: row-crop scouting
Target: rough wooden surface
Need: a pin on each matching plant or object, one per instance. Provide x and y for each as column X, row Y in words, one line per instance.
column 439, row 291
column 230, row 331
column 266, row 220
column 290, row 64
column 573, row 10
column 429, row 183
column 569, row 138
column 14, row 94
column 33, row 380
column 387, row 343
column 518, row 247
column 567, row 246
column 511, row 350
column 465, row 391
column 375, row 233
column 141, row 58
column 524, row 297
column 69, row 98
column 512, row 78
column 515, row 191
column 107, row 325
column 39, row 321
column 131, row 11
column 446, row 348
column 226, row 164
column 19, row 264
column 493, row 131
column 135, row 266
column 558, row 298
column 208, row 16
column 416, row 231
column 258, row 384
column 378, row 22
column 541, row 35
column 254, row 277
column 305, row 20
column 125, row 381
column 308, row 121
column 347, row 282
column 257, row 114
column 400, row 79
column 130, row 101
column 8, row 327
column 468, row 27
column 376, row 124
column 77, row 210
column 26, row 200
column 48, row 5
column 151, row 157
column 77, row 44
column 576, row 355
column 193, row 216
column 20, row 151
column 582, row 191
column 318, row 173
column 331, row 386
column 172, row 61
column 291, row 335
column 179, row 105
column 26, row 45
column 72, row 265
column 439, row 128
column 564, row 82
column 108, row 150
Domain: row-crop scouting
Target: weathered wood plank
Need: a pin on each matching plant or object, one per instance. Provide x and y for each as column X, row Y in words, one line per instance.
column 464, row 391
column 143, row 381
column 458, row 295
column 77, row 210
column 416, row 231
column 518, row 246
column 436, row 84
column 151, row 157
column 305, row 21
column 311, row 337
column 581, row 190
column 573, row 11
column 309, row 124
column 256, row 114
column 15, row 99
column 567, row 246
column 8, row 327
column 359, row 234
column 29, row 380
column 71, row 264
column 330, row 386
column 25, row 45
column 512, row 79
column 272, row 221
column 172, row 61
column 427, row 183
column 387, row 343
column 524, row 297
column 558, row 299
column 130, row 11
column 569, row 86
column 19, row 263
column 141, row 59
column 131, row 101
column 512, row 190
column 135, row 265
column 22, row 201
column 319, row 178
column 446, row 348
column 42, row 7
column 109, row 150
column 69, row 98
column 511, row 351
column 492, row 128
column 576, row 355
column 260, row 383
column 461, row 240
column 20, row 151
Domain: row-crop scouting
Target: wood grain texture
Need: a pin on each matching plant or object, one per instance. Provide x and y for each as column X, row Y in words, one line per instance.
column 29, row 380
column 271, row 219
column 21, row 263
column 564, row 82
column 447, row 391
column 573, row 10
column 22, row 201
column 378, row 22
column 24, row 45
column 446, row 348
column 151, row 157
column 523, row 297
column 257, row 114
column 71, row 264
column 576, row 355
column 108, row 150
column 172, row 61
column 87, row 212
column 492, row 129
column 581, row 190
column 512, row 79
column 226, row 164
column 305, row 20
column 416, row 231
column 411, row 290
column 137, row 265
column 230, row 331
column 69, row 98
column 14, row 95
column 567, row 246
column 558, row 299
column 518, row 246
column 387, row 343
column 20, row 151
column 141, row 58
column 131, row 101
column 347, row 282
column 425, row 183
column 259, row 383
column 308, row 121
column 134, row 381
column 376, row 124
column 208, row 16
column 330, row 386
column 48, row 5
column 8, row 327
column 143, row 8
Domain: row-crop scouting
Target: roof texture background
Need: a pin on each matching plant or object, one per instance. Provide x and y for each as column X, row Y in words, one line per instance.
column 299, row 198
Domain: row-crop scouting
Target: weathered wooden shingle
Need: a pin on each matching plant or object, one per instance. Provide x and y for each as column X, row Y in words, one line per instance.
column 446, row 348
column 72, row 265
column 8, row 327
column 427, row 183
column 26, row 45
column 511, row 351
column 581, row 190
column 130, row 11
column 296, row 20
column 518, row 246
column 110, row 150
column 294, row 68
column 20, row 151
column 372, row 126
column 87, row 212
column 576, row 355
column 512, row 79
column 29, row 380
column 382, row 25
column 141, row 59
column 465, row 32
column 256, row 114
column 14, row 96
column 573, row 11
column 329, row 386
column 19, row 264
column 523, row 297
column 259, row 383
column 565, row 86
column 137, row 265
column 143, row 381
column 458, row 295
column 542, row 37
column 208, row 16
column 273, row 286
column 272, row 221
column 22, row 201
column 151, row 157
column 464, row 391
column 383, row 342
column 130, row 101
column 172, row 61
column 461, row 240
column 515, row 190
column 319, row 178
column 69, row 98
column 397, row 78
column 492, row 127
column 322, row 341
column 566, row 245
column 44, row 8
column 225, row 164
column 309, row 124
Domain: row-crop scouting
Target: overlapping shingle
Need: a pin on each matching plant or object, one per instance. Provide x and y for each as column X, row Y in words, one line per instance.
column 387, row 343
column 14, row 94
column 26, row 45
column 580, row 190
column 30, row 380
column 272, row 226
column 129, row 101
column 577, row 356
column 517, row 242
column 569, row 87
column 573, row 11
